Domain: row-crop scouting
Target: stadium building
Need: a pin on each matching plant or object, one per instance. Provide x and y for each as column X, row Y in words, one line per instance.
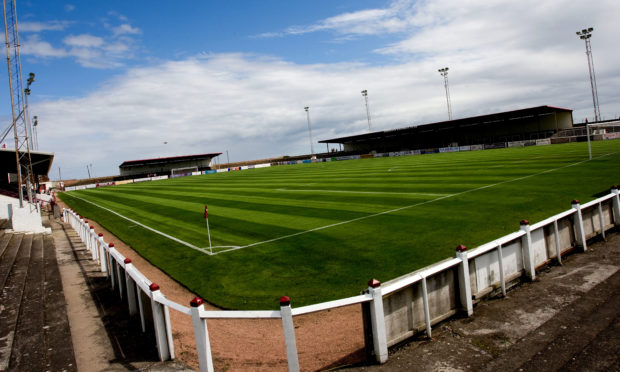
column 167, row 166
column 41, row 164
column 530, row 124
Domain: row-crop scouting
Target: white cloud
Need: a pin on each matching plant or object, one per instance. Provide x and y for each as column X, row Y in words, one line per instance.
column 126, row 29
column 69, row 8
column 83, row 41
column 43, row 26
column 502, row 56
column 88, row 50
column 35, row 47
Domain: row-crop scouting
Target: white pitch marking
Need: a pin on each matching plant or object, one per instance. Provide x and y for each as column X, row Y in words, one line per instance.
column 405, row 207
column 362, row 192
column 234, row 248
column 149, row 228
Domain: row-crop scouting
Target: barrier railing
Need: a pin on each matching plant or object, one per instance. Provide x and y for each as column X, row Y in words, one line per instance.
column 399, row 308
column 130, row 283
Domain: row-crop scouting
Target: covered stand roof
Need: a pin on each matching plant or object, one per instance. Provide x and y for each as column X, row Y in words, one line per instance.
column 41, row 162
column 497, row 119
column 168, row 160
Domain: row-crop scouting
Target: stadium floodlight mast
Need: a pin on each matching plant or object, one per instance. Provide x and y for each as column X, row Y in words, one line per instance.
column 444, row 73
column 365, row 95
column 585, row 35
column 307, row 109
column 35, row 139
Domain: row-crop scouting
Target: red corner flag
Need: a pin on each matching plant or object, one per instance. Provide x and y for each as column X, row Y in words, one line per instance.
column 206, row 213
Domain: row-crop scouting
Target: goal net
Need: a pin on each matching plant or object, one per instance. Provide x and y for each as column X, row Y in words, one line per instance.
column 602, row 131
column 185, row 170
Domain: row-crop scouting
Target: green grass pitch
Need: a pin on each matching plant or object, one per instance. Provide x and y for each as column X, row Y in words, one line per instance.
column 319, row 232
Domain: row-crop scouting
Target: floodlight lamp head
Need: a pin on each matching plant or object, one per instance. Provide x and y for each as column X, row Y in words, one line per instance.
column 590, row 29
column 584, row 31
column 307, row 108
column 30, row 78
column 364, row 92
column 27, row 91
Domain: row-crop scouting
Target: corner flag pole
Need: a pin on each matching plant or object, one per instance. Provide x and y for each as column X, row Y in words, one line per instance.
column 208, row 231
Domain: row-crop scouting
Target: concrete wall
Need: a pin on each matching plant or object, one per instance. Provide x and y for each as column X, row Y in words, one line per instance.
column 26, row 219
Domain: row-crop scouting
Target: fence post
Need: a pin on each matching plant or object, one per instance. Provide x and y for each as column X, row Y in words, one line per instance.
column 83, row 224
column 159, row 323
column 102, row 256
column 616, row 204
column 289, row 333
column 379, row 338
column 130, row 285
column 464, row 284
column 201, row 333
column 528, row 251
column 92, row 242
column 427, row 313
column 111, row 260
column 578, row 222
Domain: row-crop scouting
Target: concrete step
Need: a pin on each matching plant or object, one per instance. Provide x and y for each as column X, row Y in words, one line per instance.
column 27, row 353
column 9, row 246
column 34, row 330
column 11, row 296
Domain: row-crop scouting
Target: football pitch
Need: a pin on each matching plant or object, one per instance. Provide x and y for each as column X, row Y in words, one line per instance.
column 319, row 232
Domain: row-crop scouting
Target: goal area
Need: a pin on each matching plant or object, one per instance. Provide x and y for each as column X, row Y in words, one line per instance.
column 185, row 170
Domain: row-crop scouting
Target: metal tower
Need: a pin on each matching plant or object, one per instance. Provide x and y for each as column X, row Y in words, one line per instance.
column 307, row 109
column 444, row 73
column 365, row 95
column 585, row 35
column 19, row 104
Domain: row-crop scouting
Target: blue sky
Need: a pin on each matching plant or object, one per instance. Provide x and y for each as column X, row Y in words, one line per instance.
column 124, row 80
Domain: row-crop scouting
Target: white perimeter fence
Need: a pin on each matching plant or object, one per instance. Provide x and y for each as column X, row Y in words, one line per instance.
column 391, row 312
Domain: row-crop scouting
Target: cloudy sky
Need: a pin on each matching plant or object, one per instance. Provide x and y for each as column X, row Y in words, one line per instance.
column 121, row 80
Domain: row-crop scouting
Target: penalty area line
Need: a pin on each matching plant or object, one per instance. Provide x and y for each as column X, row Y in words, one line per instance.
column 318, row 191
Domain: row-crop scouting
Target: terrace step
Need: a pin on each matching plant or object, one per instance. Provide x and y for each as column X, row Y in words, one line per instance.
column 34, row 330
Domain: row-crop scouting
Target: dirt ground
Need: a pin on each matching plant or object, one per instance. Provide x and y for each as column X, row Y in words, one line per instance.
column 256, row 344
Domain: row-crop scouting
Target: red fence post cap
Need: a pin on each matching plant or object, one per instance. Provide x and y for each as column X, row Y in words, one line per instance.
column 285, row 301
column 196, row 301
column 127, row 260
column 111, row 245
column 461, row 248
column 154, row 287
column 374, row 283
column 575, row 201
column 614, row 187
column 85, row 221
column 524, row 222
column 100, row 234
column 92, row 227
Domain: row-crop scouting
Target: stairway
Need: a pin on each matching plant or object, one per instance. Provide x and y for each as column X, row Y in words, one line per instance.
column 34, row 330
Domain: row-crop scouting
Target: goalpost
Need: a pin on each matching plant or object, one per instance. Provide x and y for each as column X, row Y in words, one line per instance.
column 185, row 170
column 602, row 131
